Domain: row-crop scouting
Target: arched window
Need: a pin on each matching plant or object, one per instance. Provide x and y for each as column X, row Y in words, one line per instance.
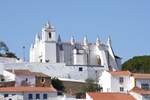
column 98, row 60
column 42, row 79
column 50, row 35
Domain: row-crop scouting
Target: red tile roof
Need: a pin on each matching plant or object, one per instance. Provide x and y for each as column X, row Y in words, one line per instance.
column 110, row 96
column 126, row 73
column 140, row 91
column 27, row 89
column 21, row 72
column 141, row 76
column 39, row 74
column 27, row 72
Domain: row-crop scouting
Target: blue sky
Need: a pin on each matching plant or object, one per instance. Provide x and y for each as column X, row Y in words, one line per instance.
column 126, row 21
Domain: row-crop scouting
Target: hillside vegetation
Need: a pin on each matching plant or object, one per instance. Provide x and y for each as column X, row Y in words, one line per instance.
column 139, row 64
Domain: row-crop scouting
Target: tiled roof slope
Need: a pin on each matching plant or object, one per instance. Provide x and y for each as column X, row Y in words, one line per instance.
column 27, row 89
column 26, row 72
column 140, row 91
column 110, row 96
column 141, row 76
column 120, row 72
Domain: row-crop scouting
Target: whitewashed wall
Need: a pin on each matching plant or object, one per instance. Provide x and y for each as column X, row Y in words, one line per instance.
column 24, row 95
column 115, row 84
column 110, row 83
column 59, row 70
column 136, row 96
column 142, row 81
column 105, row 81
column 8, row 76
column 20, row 78
column 50, row 95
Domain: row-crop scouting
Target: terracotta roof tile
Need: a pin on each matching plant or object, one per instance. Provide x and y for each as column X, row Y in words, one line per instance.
column 141, row 76
column 120, row 73
column 27, row 89
column 21, row 72
column 39, row 74
column 27, row 72
column 140, row 91
column 110, row 96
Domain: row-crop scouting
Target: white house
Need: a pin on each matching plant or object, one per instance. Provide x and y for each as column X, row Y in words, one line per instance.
column 23, row 77
column 115, row 81
column 141, row 80
column 47, row 48
column 140, row 94
column 27, row 93
column 123, row 81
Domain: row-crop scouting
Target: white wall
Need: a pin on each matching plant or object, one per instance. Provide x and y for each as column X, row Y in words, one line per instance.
column 59, row 70
column 49, row 95
column 88, row 97
column 142, row 81
column 49, row 52
column 20, row 78
column 136, row 96
column 24, row 95
column 8, row 76
column 12, row 95
column 110, row 83
column 105, row 81
column 115, row 84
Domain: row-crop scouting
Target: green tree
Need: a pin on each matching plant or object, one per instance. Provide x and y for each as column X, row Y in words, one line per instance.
column 91, row 86
column 57, row 84
column 10, row 54
column 138, row 64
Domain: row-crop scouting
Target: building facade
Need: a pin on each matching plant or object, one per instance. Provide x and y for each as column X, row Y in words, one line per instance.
column 124, row 81
column 28, row 93
column 48, row 48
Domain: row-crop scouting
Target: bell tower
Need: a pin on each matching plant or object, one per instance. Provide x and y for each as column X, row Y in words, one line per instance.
column 49, row 43
column 48, row 33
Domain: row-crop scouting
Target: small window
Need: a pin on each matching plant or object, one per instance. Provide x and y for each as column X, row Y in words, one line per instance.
column 121, row 80
column 5, row 95
column 50, row 35
column 40, row 60
column 145, row 86
column 44, row 96
column 98, row 60
column 13, row 94
column 30, row 96
column 121, row 89
column 80, row 69
column 2, row 80
column 46, row 61
column 43, row 80
column 37, row 96
column 26, row 79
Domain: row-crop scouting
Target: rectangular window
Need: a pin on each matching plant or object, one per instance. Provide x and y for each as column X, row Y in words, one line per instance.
column 145, row 86
column 37, row 96
column 121, row 89
column 5, row 95
column 44, row 96
column 121, row 80
column 80, row 69
column 30, row 96
column 13, row 94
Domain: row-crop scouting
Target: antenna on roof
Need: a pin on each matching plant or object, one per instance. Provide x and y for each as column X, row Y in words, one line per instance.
column 23, row 51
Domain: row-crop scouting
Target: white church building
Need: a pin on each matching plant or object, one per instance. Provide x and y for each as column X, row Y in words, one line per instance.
column 49, row 48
